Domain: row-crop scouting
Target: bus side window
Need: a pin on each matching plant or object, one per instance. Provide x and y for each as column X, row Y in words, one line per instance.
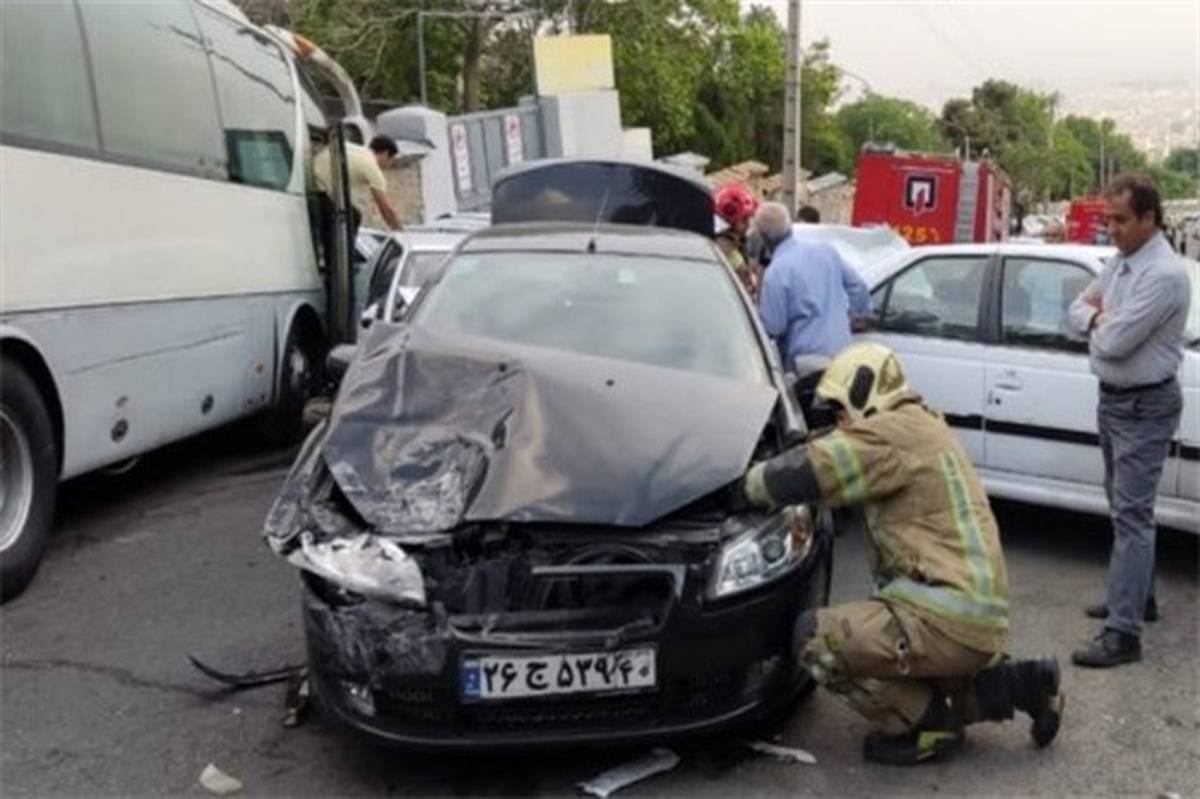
column 257, row 102
column 155, row 92
column 45, row 96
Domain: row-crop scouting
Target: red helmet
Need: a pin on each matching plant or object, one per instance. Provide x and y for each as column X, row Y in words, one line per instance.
column 734, row 203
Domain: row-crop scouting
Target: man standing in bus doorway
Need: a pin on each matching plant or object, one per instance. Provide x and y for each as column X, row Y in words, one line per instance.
column 1134, row 315
column 364, row 166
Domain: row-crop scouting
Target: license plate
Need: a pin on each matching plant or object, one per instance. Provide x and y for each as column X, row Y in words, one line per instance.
column 486, row 677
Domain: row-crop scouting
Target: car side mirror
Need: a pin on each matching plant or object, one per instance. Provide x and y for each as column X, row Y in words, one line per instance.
column 408, row 294
column 338, row 361
column 369, row 315
column 405, row 297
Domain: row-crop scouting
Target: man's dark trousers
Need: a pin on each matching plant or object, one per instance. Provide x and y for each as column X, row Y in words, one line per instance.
column 1136, row 428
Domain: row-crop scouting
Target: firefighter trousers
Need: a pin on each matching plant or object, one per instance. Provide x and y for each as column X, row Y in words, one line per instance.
column 887, row 662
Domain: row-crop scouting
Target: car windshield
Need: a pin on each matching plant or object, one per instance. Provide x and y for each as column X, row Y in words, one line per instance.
column 664, row 312
column 423, row 265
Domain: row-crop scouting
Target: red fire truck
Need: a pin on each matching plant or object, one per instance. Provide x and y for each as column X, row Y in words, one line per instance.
column 1086, row 223
column 931, row 199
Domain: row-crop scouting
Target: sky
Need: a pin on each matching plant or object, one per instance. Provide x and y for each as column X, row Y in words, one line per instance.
column 931, row 50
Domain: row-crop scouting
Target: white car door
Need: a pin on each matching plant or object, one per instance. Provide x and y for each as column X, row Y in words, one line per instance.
column 1040, row 416
column 929, row 314
column 1187, row 449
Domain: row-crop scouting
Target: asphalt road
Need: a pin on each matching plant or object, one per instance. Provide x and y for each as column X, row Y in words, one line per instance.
column 98, row 698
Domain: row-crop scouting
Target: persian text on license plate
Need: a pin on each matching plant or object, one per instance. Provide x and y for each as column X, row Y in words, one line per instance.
column 522, row 676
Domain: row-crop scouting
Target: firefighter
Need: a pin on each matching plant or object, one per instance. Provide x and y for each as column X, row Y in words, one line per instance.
column 735, row 204
column 924, row 656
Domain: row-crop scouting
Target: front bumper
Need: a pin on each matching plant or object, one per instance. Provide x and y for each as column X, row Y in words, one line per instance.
column 719, row 666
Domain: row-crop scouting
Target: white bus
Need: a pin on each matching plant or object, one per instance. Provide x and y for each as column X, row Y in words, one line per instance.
column 158, row 272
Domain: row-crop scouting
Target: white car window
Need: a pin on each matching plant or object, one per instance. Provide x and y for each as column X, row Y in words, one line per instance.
column 1036, row 296
column 937, row 296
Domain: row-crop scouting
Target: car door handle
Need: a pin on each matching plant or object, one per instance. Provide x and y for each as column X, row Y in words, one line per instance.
column 1008, row 380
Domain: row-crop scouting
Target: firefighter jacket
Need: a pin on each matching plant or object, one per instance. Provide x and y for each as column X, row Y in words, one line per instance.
column 934, row 543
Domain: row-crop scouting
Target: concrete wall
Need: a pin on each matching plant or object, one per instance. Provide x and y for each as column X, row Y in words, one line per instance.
column 404, row 191
column 583, row 124
column 425, row 132
column 637, row 144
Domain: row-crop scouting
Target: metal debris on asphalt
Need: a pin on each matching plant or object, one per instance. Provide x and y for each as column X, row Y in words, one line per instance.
column 605, row 784
column 218, row 782
column 789, row 753
column 250, row 679
column 299, row 699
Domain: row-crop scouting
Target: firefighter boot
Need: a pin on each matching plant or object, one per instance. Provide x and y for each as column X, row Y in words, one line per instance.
column 938, row 733
column 1031, row 686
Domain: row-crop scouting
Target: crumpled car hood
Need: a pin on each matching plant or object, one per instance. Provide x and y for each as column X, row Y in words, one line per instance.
column 432, row 429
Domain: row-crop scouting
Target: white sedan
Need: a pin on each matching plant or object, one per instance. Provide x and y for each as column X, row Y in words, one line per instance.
column 981, row 330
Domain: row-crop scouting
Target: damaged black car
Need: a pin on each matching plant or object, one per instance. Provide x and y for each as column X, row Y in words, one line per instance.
column 517, row 524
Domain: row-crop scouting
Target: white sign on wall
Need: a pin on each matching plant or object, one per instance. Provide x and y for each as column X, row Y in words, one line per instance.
column 462, row 156
column 512, row 138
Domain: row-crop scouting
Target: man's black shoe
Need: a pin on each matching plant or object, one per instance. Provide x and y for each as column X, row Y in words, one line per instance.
column 1100, row 610
column 1110, row 648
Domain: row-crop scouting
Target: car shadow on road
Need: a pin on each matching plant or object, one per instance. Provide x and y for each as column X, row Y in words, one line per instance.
column 228, row 452
column 1050, row 532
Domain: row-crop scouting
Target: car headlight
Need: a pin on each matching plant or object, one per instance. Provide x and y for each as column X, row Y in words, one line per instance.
column 764, row 553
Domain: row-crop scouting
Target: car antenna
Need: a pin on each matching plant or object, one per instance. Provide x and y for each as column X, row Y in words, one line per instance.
column 591, row 245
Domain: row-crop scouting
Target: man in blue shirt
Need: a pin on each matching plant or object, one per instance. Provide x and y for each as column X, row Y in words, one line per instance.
column 809, row 293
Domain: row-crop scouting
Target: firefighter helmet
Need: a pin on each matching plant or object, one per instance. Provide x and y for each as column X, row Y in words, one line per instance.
column 863, row 379
column 734, row 203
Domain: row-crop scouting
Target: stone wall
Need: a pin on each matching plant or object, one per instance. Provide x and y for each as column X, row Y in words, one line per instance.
column 404, row 191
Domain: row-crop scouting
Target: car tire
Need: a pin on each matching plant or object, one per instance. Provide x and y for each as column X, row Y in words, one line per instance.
column 28, row 479
column 299, row 381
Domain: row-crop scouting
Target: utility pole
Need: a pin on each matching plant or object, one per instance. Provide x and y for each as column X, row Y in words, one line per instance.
column 421, row 56
column 1103, row 166
column 791, row 109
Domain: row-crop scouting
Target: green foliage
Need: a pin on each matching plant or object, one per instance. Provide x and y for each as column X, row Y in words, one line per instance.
column 1184, row 160
column 889, row 119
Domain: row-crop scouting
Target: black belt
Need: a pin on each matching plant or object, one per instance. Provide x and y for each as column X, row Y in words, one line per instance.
column 1109, row 388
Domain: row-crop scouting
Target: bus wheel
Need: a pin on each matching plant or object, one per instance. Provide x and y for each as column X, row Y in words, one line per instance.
column 299, row 381
column 28, row 479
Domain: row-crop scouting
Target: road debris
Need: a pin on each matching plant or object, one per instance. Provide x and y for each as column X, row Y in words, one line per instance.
column 789, row 753
column 218, row 782
column 605, row 784
column 251, row 679
column 299, row 699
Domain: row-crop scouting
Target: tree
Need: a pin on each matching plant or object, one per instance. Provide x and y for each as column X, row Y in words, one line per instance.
column 1184, row 160
column 889, row 119
column 824, row 147
column 663, row 51
column 740, row 113
column 1109, row 153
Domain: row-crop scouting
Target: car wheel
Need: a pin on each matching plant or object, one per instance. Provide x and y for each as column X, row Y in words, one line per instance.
column 299, row 381
column 28, row 479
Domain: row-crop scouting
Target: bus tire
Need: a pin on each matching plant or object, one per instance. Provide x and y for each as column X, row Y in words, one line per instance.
column 299, row 381
column 28, row 479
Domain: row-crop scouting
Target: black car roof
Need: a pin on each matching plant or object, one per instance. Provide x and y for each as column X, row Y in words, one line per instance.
column 571, row 237
column 550, row 163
